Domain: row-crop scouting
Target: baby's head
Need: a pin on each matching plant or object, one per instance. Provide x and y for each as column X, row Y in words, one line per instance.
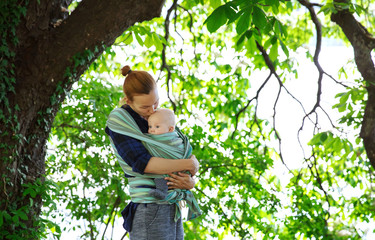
column 161, row 121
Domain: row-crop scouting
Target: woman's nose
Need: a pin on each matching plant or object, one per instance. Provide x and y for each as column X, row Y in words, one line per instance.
column 153, row 109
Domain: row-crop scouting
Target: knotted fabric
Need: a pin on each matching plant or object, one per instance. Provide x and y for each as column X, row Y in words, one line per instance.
column 173, row 145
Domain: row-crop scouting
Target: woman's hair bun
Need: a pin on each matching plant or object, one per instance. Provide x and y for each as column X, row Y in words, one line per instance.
column 125, row 70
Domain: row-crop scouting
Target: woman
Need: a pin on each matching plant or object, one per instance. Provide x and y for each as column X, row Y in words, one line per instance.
column 146, row 220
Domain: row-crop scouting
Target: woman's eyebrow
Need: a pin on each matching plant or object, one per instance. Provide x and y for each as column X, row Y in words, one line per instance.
column 150, row 105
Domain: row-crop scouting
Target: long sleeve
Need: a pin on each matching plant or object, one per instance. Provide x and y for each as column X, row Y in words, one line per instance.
column 131, row 150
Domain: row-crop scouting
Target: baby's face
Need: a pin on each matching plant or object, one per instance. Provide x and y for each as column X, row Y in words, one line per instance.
column 156, row 125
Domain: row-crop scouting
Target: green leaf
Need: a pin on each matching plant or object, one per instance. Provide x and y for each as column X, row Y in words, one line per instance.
column 15, row 219
column 231, row 14
column 279, row 28
column 22, row 215
column 149, row 41
column 315, row 140
column 139, row 39
column 323, row 137
column 259, row 18
column 243, row 22
column 240, row 41
column 344, row 98
column 216, row 19
column 128, row 38
column 215, row 3
column 157, row 41
column 274, row 52
column 284, row 48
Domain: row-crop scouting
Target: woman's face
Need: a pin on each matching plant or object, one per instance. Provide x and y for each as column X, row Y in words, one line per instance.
column 145, row 104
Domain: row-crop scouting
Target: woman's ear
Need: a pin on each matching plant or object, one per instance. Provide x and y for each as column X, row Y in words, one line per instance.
column 127, row 101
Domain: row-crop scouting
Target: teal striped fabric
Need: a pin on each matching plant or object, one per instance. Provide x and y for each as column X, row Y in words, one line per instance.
column 173, row 145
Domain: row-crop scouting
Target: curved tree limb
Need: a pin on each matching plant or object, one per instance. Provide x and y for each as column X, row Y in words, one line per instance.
column 281, row 86
column 164, row 64
column 318, row 47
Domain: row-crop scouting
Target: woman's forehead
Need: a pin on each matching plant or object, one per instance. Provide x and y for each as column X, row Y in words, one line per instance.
column 147, row 99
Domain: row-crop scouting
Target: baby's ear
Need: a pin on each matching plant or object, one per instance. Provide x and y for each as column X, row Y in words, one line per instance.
column 171, row 128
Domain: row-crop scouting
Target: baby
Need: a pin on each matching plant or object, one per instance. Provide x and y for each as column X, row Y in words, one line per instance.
column 161, row 121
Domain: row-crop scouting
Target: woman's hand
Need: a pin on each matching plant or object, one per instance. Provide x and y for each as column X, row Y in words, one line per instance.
column 180, row 181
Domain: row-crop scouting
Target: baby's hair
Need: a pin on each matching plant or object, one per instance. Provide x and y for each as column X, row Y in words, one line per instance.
column 168, row 115
column 136, row 82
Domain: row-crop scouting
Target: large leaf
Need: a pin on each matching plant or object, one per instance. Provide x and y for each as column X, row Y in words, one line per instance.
column 259, row 18
column 243, row 22
column 217, row 19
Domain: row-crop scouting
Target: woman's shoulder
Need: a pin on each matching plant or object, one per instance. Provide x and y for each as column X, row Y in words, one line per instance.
column 119, row 115
column 118, row 110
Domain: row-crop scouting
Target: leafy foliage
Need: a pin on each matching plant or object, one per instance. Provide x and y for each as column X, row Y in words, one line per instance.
column 211, row 80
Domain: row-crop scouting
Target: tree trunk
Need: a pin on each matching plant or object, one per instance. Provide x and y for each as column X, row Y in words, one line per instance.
column 53, row 50
column 363, row 43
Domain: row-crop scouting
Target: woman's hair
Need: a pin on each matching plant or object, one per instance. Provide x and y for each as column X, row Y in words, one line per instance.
column 136, row 82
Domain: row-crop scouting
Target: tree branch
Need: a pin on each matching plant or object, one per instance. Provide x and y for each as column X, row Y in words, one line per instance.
column 281, row 86
column 248, row 104
column 115, row 205
column 363, row 43
column 318, row 47
column 163, row 54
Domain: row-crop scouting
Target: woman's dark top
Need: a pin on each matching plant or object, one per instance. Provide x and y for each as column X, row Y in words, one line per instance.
column 134, row 153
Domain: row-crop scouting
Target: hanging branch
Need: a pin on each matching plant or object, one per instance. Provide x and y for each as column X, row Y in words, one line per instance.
column 318, row 47
column 248, row 104
column 336, row 81
column 164, row 65
column 191, row 31
column 320, row 183
column 272, row 69
column 270, row 65
column 318, row 27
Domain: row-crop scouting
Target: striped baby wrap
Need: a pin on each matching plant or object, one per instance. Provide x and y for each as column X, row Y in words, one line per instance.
column 173, row 145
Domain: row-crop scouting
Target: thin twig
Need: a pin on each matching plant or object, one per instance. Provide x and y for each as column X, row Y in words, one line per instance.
column 248, row 103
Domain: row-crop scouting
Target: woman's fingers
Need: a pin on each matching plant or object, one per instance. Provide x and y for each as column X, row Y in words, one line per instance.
column 182, row 174
column 180, row 181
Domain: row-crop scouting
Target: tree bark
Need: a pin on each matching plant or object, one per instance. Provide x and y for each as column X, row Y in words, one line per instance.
column 54, row 49
column 363, row 43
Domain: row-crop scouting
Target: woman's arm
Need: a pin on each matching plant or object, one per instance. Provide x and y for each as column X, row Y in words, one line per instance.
column 164, row 166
